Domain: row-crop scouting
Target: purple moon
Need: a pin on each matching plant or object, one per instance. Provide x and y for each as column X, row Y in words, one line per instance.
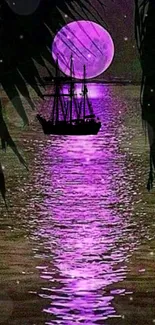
column 23, row 7
column 89, row 43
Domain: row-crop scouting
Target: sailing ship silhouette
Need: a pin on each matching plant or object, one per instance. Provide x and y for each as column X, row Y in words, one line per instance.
column 62, row 121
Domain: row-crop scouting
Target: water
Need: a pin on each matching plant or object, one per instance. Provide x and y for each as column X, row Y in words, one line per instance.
column 78, row 242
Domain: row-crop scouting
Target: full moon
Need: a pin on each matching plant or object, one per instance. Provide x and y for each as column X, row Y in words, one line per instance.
column 89, row 44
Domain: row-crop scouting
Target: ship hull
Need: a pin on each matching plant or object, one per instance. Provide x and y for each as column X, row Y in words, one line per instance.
column 69, row 129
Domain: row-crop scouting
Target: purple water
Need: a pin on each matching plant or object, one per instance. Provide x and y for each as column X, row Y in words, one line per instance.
column 87, row 221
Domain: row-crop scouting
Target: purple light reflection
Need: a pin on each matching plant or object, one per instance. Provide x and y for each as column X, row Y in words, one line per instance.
column 83, row 223
column 96, row 92
column 93, row 90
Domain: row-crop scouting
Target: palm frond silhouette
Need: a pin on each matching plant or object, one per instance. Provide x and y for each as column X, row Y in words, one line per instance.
column 144, row 32
column 25, row 42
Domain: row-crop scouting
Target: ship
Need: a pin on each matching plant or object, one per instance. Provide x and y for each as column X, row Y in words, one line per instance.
column 71, row 116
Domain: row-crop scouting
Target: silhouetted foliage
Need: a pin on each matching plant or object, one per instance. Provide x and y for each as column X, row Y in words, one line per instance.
column 145, row 31
column 25, row 41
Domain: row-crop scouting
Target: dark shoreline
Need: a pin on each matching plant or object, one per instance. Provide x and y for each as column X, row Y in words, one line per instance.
column 106, row 82
column 132, row 83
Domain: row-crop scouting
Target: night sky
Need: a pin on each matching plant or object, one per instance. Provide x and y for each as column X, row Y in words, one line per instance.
column 119, row 21
column 22, row 35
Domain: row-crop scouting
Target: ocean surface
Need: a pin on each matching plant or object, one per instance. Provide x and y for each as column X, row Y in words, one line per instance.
column 77, row 245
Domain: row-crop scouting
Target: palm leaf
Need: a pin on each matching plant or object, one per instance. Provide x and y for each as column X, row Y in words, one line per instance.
column 144, row 33
column 27, row 45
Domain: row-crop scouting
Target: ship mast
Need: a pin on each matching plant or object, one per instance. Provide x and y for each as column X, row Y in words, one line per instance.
column 85, row 97
column 55, row 110
column 84, row 91
column 71, row 88
column 57, row 93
